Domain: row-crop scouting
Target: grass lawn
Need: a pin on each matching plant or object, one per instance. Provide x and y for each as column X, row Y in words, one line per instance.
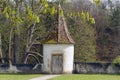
column 18, row 76
column 87, row 77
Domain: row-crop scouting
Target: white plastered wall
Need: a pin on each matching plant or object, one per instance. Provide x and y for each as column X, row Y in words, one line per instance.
column 68, row 56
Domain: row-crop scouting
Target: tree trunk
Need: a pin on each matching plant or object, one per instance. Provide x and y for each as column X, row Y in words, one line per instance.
column 29, row 37
column 17, row 38
column 1, row 55
column 16, row 48
column 10, row 43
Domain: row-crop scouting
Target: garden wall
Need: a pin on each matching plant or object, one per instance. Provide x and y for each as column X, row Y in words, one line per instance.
column 100, row 68
column 79, row 68
column 20, row 68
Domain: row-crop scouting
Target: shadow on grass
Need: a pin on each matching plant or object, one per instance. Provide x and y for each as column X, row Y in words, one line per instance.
column 97, row 74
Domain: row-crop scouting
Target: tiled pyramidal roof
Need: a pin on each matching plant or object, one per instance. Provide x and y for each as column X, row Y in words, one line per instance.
column 61, row 35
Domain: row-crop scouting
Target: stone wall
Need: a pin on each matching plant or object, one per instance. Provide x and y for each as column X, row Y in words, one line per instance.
column 20, row 68
column 99, row 68
column 79, row 68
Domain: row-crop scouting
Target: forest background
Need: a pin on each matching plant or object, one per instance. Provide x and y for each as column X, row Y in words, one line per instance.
column 95, row 28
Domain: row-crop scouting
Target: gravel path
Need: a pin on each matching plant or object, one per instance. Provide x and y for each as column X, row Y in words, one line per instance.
column 45, row 77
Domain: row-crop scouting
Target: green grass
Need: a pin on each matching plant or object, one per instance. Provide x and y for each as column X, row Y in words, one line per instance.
column 18, row 76
column 87, row 77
